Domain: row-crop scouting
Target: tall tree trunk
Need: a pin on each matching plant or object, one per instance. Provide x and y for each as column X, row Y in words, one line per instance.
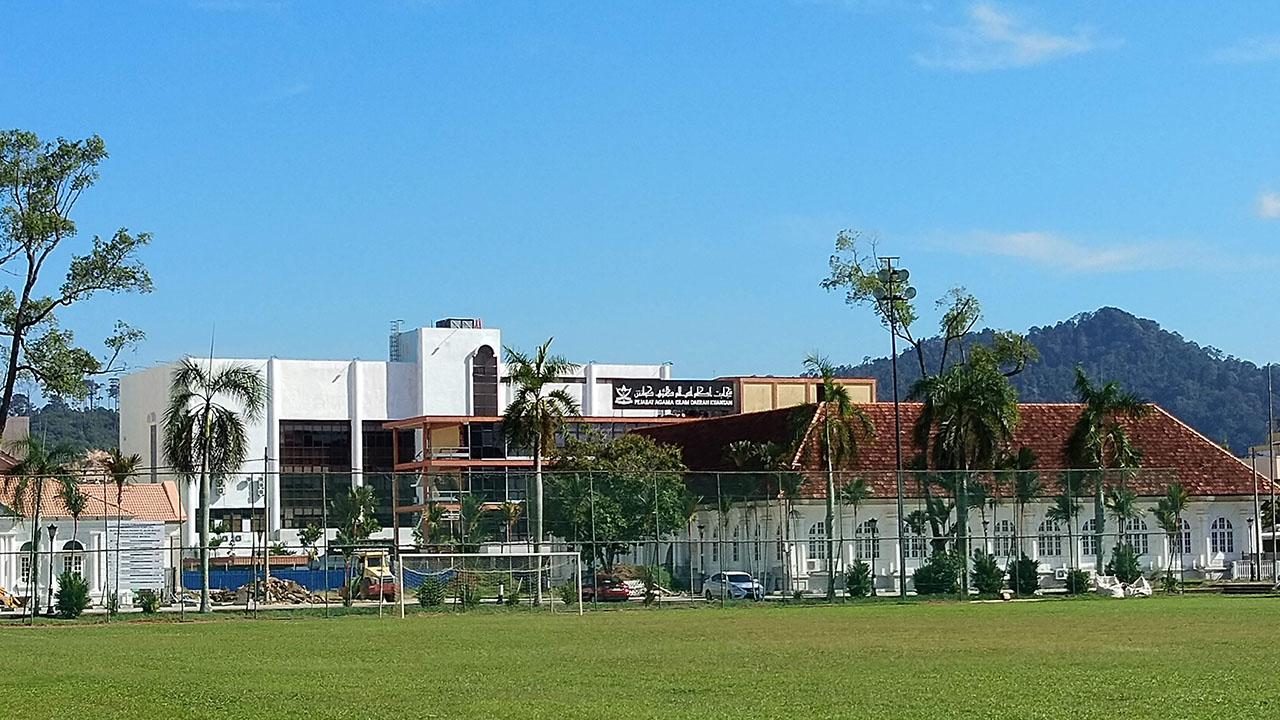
column 34, row 576
column 106, row 531
column 205, row 606
column 1099, row 523
column 537, row 518
column 119, row 512
column 831, row 561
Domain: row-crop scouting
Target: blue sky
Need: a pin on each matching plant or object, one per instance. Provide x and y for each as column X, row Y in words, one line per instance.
column 656, row 182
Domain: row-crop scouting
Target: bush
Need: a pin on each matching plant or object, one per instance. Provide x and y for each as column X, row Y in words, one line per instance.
column 940, row 575
column 1124, row 563
column 149, row 601
column 1078, row 582
column 1024, row 576
column 469, row 593
column 113, row 605
column 568, row 593
column 1169, row 583
column 72, row 597
column 430, row 593
column 651, row 577
column 858, row 581
column 988, row 576
column 513, row 592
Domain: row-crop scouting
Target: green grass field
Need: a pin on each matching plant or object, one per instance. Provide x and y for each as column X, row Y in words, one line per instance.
column 1191, row 657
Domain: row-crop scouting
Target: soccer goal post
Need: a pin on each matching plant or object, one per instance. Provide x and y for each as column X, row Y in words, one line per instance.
column 466, row 580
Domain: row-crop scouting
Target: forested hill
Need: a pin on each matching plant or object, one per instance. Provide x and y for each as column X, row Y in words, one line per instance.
column 1223, row 397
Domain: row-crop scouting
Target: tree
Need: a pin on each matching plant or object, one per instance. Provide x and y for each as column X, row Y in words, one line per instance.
column 41, row 182
column 968, row 419
column 853, row 493
column 1063, row 511
column 309, row 536
column 471, row 516
column 510, row 513
column 24, row 485
column 1026, row 488
column 75, row 501
column 619, row 487
column 1099, row 441
column 1122, row 503
column 356, row 522
column 120, row 468
column 432, row 520
column 204, row 432
column 536, row 413
column 1168, row 513
column 843, row 425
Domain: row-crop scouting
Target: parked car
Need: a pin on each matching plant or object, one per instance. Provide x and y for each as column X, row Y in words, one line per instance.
column 607, row 588
column 732, row 586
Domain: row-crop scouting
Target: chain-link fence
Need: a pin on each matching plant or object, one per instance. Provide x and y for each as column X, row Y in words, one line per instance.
column 325, row 540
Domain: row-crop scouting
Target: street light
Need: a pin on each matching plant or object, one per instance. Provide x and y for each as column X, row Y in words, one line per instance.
column 894, row 289
column 53, row 530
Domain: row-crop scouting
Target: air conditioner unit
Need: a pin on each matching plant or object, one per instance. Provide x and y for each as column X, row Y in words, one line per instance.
column 235, row 538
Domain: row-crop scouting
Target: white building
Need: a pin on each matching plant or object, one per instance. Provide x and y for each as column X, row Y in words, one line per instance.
column 325, row 419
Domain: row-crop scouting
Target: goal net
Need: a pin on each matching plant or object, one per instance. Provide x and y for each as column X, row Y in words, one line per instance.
column 464, row 580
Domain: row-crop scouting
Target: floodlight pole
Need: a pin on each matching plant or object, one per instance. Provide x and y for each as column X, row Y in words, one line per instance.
column 890, row 297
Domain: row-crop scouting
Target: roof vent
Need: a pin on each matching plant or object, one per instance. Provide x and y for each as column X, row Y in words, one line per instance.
column 460, row 323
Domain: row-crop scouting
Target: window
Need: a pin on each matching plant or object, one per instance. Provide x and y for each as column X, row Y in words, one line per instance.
column 301, row 497
column 756, row 546
column 308, row 451
column 1182, row 541
column 1050, row 539
column 1005, row 540
column 914, row 541
column 1135, row 533
column 484, row 382
column 736, row 544
column 818, row 541
column 715, row 546
column 866, row 541
column 702, row 547
column 25, row 563
column 73, row 558
column 1088, row 540
column 1221, row 538
column 778, row 546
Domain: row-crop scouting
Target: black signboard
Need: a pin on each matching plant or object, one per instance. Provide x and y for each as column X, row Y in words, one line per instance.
column 673, row 395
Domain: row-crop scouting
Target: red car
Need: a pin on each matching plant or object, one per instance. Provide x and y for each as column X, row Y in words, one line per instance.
column 606, row 589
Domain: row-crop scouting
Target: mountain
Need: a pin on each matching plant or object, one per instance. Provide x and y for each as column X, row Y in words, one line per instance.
column 1223, row 397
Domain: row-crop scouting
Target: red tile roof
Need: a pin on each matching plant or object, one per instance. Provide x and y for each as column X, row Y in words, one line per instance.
column 1172, row 450
column 141, row 501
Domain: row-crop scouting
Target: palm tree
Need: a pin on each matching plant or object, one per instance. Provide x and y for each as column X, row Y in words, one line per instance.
column 1099, row 441
column 471, row 512
column 75, row 501
column 204, row 433
column 843, row 425
column 972, row 410
column 24, row 485
column 854, row 493
column 120, row 468
column 1063, row 511
column 1122, row 503
column 356, row 522
column 1026, row 488
column 510, row 512
column 1168, row 513
column 533, row 417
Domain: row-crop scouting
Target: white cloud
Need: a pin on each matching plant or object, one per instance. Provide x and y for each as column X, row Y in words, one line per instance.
column 1062, row 254
column 1249, row 50
column 1269, row 204
column 995, row 40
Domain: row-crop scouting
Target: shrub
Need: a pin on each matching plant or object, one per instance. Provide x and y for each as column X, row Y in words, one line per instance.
column 1077, row 582
column 988, row 576
column 1169, row 583
column 113, row 605
column 568, row 593
column 73, row 595
column 149, row 601
column 430, row 593
column 651, row 577
column 858, row 581
column 469, row 593
column 1024, row 576
column 513, row 592
column 940, row 575
column 1124, row 563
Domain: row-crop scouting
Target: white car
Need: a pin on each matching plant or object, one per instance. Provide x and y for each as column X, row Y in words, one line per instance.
column 732, row 586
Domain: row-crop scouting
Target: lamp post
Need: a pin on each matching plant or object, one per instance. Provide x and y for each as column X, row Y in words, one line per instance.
column 894, row 289
column 53, row 530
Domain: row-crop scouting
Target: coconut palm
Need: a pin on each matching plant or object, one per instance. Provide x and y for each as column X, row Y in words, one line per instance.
column 510, row 513
column 854, row 493
column 471, row 513
column 1026, row 488
column 843, row 426
column 1168, row 513
column 24, row 487
column 972, row 411
column 1099, row 441
column 74, row 500
column 120, row 468
column 1122, row 503
column 1062, row 511
column 204, row 433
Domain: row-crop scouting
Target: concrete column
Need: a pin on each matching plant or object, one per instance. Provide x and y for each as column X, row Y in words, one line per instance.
column 589, row 408
column 272, row 469
column 357, row 424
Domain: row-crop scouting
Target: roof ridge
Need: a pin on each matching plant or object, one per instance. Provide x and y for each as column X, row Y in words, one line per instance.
column 1215, row 445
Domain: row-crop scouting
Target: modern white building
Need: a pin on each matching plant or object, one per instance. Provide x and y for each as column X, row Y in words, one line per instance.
column 323, row 427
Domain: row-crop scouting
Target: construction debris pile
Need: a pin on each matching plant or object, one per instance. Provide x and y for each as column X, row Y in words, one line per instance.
column 275, row 591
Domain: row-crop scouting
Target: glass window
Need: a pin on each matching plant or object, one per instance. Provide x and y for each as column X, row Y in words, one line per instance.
column 25, row 563
column 866, row 544
column 73, row 558
column 756, row 545
column 1182, row 541
column 1135, row 533
column 778, row 546
column 1088, row 540
column 818, row 541
column 484, row 382
column 1221, row 537
column 1005, row 540
column 1050, row 539
column 715, row 546
column 735, row 545
column 915, row 543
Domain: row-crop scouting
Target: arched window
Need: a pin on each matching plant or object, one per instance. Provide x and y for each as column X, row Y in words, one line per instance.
column 1050, row 537
column 736, row 544
column 866, row 541
column 1221, row 537
column 818, row 541
column 1004, row 539
column 913, row 541
column 715, row 546
column 702, row 547
column 24, row 563
column 484, row 382
column 778, row 546
column 73, row 558
column 1182, row 541
column 1135, row 533
column 1088, row 540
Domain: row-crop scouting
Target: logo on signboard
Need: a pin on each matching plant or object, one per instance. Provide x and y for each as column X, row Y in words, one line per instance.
column 674, row 394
